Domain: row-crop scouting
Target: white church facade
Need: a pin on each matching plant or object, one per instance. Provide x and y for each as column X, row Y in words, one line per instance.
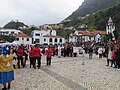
column 42, row 37
column 47, row 37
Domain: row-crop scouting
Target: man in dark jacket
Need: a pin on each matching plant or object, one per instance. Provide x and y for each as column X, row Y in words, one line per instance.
column 90, row 52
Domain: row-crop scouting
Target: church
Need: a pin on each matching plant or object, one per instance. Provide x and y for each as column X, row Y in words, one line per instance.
column 110, row 28
column 42, row 37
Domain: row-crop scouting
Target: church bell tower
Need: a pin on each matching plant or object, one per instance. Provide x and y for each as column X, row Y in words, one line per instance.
column 110, row 27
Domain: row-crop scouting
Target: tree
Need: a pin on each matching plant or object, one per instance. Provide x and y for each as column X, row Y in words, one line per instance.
column 117, row 35
column 64, row 33
column 7, row 38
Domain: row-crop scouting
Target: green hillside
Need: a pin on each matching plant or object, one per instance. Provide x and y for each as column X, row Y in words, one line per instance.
column 91, row 6
column 99, row 19
column 14, row 25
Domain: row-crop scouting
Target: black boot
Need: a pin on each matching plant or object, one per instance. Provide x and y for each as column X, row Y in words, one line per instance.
column 4, row 88
column 9, row 86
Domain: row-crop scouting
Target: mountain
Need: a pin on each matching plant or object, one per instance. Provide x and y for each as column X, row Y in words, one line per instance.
column 98, row 20
column 14, row 25
column 91, row 6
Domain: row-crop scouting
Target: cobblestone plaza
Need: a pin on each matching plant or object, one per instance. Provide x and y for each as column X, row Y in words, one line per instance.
column 68, row 74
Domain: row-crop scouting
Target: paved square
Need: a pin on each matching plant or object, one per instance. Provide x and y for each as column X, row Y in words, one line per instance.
column 68, row 74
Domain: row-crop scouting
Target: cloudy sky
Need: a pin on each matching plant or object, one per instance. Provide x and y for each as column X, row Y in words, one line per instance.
column 36, row 12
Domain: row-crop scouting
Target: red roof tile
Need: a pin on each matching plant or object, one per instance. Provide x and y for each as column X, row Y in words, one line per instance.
column 52, row 36
column 73, row 35
column 91, row 33
column 22, row 35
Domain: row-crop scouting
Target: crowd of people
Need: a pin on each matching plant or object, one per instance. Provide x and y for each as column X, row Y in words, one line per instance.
column 110, row 51
column 12, row 57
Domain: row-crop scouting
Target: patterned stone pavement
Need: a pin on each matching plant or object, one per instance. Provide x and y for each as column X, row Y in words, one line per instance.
column 68, row 74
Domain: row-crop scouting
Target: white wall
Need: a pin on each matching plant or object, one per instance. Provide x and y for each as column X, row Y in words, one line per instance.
column 76, row 32
column 42, row 33
column 97, row 37
column 23, row 40
column 9, row 31
column 53, row 41
column 72, row 39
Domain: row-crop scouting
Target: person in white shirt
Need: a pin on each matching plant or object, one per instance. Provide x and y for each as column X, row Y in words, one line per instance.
column 100, row 50
column 109, row 57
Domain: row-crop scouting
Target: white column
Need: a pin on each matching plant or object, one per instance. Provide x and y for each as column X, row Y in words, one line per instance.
column 58, row 40
column 53, row 41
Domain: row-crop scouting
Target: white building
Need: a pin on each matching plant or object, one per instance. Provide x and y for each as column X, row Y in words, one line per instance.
column 23, row 39
column 69, row 28
column 82, row 26
column 12, row 32
column 86, row 36
column 110, row 27
column 73, row 38
column 47, row 37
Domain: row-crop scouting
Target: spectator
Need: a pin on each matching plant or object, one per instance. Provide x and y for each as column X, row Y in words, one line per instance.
column 48, row 56
column 19, row 56
column 31, row 56
column 90, row 52
column 37, row 56
column 100, row 52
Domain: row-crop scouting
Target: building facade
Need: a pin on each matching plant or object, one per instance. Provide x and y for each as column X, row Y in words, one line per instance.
column 51, row 26
column 46, row 37
column 11, row 32
column 23, row 39
column 86, row 36
column 53, row 40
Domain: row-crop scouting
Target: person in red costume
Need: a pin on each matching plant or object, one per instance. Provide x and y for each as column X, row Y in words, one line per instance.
column 113, row 57
column 49, row 55
column 31, row 56
column 53, row 50
column 37, row 56
column 20, row 58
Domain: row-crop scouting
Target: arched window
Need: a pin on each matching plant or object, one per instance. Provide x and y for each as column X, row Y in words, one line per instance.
column 44, row 39
column 55, row 39
column 60, row 40
column 50, row 40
